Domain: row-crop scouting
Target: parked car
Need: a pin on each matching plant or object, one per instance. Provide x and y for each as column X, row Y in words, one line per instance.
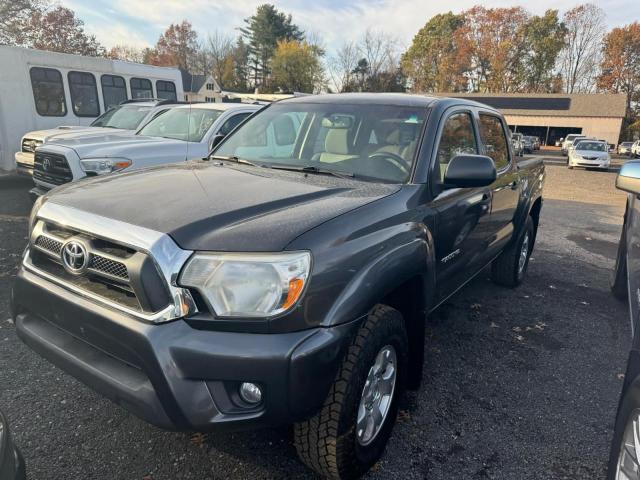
column 589, row 154
column 527, row 144
column 624, row 459
column 517, row 141
column 124, row 118
column 287, row 278
column 559, row 142
column 12, row 465
column 635, row 149
column 182, row 133
column 536, row 143
column 568, row 142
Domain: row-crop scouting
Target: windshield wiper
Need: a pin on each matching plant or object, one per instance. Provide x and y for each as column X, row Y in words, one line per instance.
column 315, row 170
column 233, row 158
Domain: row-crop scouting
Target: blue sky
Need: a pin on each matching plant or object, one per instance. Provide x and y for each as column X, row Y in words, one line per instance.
column 140, row 22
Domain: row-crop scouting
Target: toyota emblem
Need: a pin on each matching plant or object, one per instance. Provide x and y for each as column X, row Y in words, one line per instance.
column 74, row 257
column 46, row 163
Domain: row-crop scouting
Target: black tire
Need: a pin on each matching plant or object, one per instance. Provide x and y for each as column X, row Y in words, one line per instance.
column 629, row 405
column 327, row 442
column 618, row 281
column 505, row 270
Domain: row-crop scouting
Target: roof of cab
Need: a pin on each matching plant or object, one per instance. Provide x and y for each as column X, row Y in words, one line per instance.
column 397, row 99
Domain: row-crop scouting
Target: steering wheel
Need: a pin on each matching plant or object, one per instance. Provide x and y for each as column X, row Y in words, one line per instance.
column 398, row 162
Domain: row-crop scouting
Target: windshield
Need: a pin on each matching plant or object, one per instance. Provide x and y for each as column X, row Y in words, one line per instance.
column 374, row 142
column 126, row 117
column 571, row 138
column 591, row 146
column 188, row 124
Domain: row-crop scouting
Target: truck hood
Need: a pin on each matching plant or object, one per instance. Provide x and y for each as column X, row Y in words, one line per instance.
column 69, row 132
column 210, row 206
column 125, row 145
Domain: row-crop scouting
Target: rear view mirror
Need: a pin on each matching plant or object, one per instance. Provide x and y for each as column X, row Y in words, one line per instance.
column 215, row 141
column 629, row 177
column 466, row 171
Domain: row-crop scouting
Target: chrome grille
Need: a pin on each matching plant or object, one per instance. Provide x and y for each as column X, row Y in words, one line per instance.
column 29, row 145
column 108, row 271
column 108, row 266
column 51, row 168
column 151, row 258
column 49, row 244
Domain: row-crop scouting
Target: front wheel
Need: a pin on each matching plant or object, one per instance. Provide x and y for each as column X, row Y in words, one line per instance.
column 509, row 268
column 348, row 435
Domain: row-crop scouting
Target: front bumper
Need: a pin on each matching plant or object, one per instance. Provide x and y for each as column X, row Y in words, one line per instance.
column 24, row 163
column 175, row 376
column 576, row 162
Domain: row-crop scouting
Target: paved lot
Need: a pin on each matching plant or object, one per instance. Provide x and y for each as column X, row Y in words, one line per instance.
column 517, row 383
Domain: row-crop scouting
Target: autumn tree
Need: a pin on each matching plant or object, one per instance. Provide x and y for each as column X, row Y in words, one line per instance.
column 177, row 46
column 621, row 62
column 14, row 19
column 439, row 56
column 262, row 32
column 580, row 56
column 296, row 67
column 127, row 53
column 497, row 42
column 33, row 24
column 544, row 38
column 59, row 30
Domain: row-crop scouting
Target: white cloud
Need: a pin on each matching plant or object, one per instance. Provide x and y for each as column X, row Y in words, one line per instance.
column 111, row 35
column 334, row 21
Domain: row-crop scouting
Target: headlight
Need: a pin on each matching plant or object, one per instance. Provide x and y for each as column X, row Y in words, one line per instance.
column 248, row 285
column 99, row 166
column 34, row 211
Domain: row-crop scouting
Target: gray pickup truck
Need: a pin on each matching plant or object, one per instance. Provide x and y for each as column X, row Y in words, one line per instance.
column 287, row 278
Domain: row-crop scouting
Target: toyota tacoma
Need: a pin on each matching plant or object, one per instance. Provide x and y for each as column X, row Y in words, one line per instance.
column 287, row 278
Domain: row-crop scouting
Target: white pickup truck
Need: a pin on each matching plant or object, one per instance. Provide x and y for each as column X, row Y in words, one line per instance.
column 125, row 118
column 182, row 133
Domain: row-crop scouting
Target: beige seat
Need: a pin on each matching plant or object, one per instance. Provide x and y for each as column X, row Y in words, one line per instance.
column 336, row 146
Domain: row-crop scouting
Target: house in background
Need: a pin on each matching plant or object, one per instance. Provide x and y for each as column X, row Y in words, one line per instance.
column 200, row 88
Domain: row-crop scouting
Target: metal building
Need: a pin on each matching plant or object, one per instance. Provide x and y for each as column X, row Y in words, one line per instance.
column 553, row 116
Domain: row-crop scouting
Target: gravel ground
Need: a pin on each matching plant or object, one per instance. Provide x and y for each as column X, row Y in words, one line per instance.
column 517, row 383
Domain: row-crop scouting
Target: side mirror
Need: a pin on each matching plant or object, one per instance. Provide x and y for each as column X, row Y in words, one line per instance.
column 466, row 171
column 629, row 177
column 214, row 143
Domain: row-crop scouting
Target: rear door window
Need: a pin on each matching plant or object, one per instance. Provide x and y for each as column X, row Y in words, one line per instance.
column 48, row 92
column 141, row 88
column 494, row 139
column 232, row 123
column 166, row 90
column 114, row 90
column 84, row 94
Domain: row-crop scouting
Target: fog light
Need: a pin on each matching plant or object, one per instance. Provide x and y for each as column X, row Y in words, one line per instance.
column 250, row 393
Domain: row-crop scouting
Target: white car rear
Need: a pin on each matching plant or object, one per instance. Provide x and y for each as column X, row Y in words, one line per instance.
column 182, row 133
